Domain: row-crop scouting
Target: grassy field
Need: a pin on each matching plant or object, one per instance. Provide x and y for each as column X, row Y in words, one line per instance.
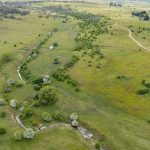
column 106, row 105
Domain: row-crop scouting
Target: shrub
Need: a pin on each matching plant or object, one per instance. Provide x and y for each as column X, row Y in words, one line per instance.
column 56, row 61
column 1, row 102
column 46, row 116
column 22, row 116
column 121, row 77
column 47, row 95
column 19, row 84
column 98, row 65
column 7, row 89
column 72, row 82
column 18, row 135
column 72, row 62
column 77, row 89
column 25, row 111
column 97, row 146
column 60, row 74
column 38, row 81
column 2, row 114
column 46, row 80
column 13, row 103
column 28, row 133
column 35, row 96
column 143, row 91
column 36, row 103
column 36, row 87
column 75, row 123
column 74, row 116
column 5, row 58
column 55, row 44
column 58, row 116
column 10, row 82
column 145, row 83
column 2, row 130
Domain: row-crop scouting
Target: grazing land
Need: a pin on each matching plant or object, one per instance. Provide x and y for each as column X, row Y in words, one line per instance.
column 74, row 76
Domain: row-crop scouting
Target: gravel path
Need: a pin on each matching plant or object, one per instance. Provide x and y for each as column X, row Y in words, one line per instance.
column 85, row 133
column 18, row 72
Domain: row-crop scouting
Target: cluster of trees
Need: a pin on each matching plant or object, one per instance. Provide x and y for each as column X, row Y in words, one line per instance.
column 27, row 134
column 94, row 53
column 25, row 72
column 16, row 4
column 74, row 120
column 115, row 4
column 46, row 96
column 25, row 111
column 57, row 116
column 143, row 15
column 11, row 84
column 139, row 29
column 8, row 12
column 57, row 9
column 89, row 28
column 61, row 73
column 39, row 82
column 72, row 62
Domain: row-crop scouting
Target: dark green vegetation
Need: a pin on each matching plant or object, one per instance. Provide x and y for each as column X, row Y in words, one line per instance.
column 143, row 15
column 72, row 58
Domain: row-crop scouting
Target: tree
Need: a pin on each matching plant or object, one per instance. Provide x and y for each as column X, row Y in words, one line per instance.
column 13, row 103
column 18, row 135
column 58, row 116
column 46, row 116
column 2, row 114
column 10, row 82
column 75, row 123
column 47, row 95
column 74, row 116
column 26, row 110
column 1, row 102
column 28, row 133
column 2, row 130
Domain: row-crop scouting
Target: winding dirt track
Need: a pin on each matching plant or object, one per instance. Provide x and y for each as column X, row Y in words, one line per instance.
column 131, row 37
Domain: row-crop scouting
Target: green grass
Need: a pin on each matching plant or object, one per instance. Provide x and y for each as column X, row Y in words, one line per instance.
column 47, row 140
column 105, row 104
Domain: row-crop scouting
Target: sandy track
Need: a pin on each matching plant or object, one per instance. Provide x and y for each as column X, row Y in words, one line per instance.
column 131, row 37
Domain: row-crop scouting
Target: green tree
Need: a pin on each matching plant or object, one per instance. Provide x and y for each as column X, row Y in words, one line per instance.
column 28, row 133
column 47, row 95
column 18, row 135
column 46, row 116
